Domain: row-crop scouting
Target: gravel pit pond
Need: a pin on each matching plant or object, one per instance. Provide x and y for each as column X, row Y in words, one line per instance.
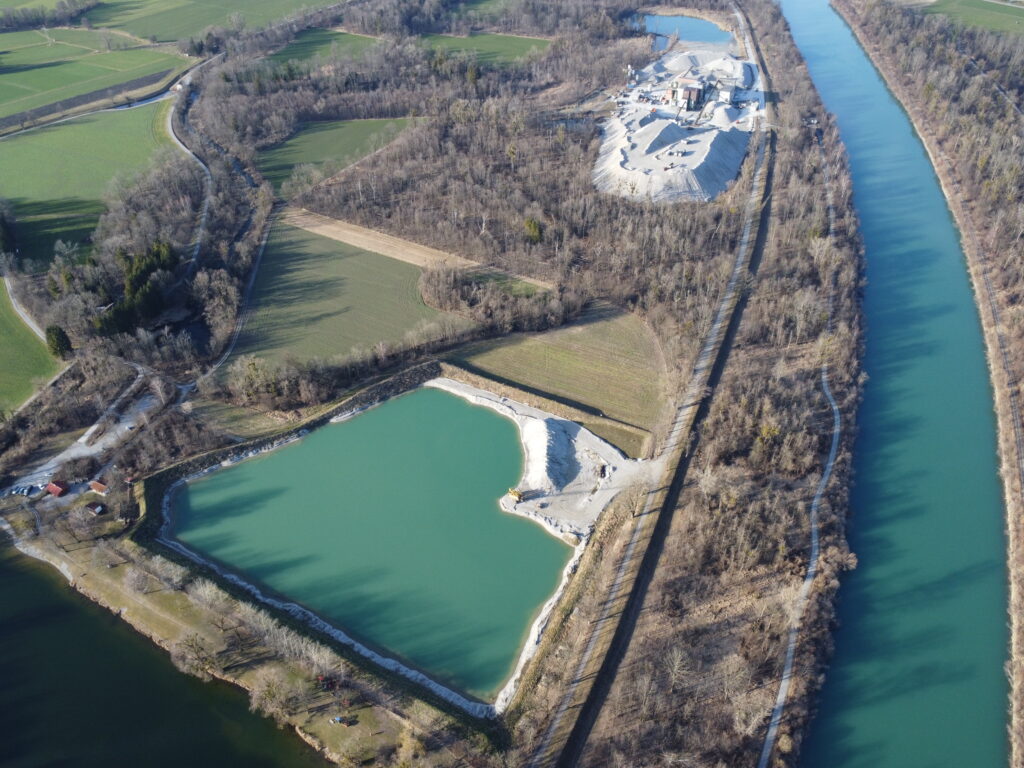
column 686, row 28
column 387, row 526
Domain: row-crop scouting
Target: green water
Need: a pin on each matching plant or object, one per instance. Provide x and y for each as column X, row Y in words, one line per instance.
column 388, row 527
column 917, row 678
column 686, row 28
column 81, row 688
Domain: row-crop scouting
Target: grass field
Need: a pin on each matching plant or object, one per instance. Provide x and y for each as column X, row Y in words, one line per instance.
column 23, row 358
column 484, row 7
column 607, row 361
column 39, row 68
column 334, row 143
column 169, row 20
column 490, row 49
column 320, row 42
column 55, row 177
column 316, row 297
column 980, row 13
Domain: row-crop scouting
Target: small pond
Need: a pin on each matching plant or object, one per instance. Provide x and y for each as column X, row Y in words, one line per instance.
column 686, row 27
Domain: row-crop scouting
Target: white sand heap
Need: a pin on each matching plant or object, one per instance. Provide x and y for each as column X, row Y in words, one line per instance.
column 569, row 475
column 662, row 145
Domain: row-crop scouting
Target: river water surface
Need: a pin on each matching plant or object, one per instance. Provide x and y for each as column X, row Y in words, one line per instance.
column 917, row 678
column 81, row 688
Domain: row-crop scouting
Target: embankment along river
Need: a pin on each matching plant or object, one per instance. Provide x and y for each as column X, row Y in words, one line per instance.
column 917, row 677
column 81, row 688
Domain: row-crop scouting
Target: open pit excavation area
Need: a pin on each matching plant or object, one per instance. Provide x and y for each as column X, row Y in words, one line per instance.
column 681, row 127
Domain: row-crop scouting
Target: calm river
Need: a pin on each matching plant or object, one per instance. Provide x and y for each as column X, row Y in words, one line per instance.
column 917, row 678
column 81, row 688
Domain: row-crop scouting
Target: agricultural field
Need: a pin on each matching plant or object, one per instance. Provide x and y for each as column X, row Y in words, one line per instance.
column 170, row 20
column 42, row 67
column 332, row 144
column 321, row 42
column 981, row 13
column 490, row 48
column 64, row 200
column 29, row 3
column 483, row 7
column 316, row 297
column 608, row 361
column 25, row 358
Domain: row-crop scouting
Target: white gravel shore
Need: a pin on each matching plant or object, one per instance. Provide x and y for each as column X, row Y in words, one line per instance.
column 570, row 474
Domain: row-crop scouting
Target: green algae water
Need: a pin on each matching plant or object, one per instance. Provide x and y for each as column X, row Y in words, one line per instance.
column 917, row 677
column 388, row 527
column 81, row 688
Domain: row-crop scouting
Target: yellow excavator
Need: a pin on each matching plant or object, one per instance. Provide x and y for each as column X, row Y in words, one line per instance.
column 516, row 494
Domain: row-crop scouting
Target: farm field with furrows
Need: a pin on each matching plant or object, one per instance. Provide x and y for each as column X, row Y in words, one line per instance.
column 321, row 42
column 608, row 361
column 40, row 67
column 490, row 48
column 318, row 298
column 63, row 200
column 329, row 145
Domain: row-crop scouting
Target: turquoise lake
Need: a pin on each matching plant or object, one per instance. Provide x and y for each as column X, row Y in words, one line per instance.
column 388, row 526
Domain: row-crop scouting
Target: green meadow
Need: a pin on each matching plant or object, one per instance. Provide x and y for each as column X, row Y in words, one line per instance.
column 333, row 143
column 316, row 297
column 321, row 42
column 980, row 13
column 41, row 67
column 169, row 20
column 608, row 361
column 484, row 7
column 64, row 200
column 490, row 48
column 25, row 359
